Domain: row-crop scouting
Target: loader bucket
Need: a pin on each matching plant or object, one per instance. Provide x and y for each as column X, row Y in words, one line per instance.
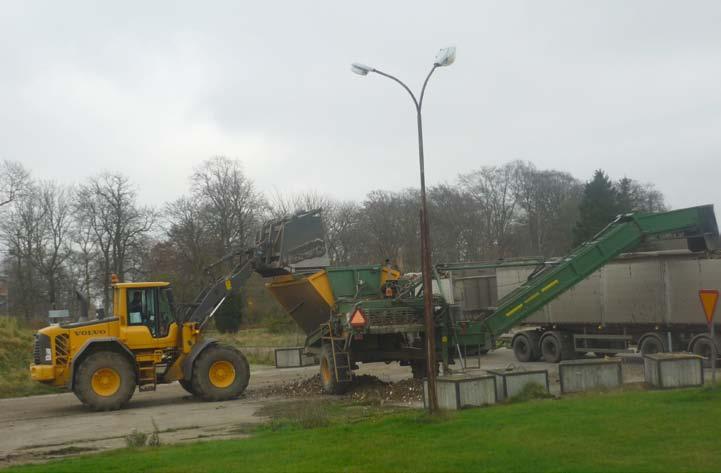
column 308, row 300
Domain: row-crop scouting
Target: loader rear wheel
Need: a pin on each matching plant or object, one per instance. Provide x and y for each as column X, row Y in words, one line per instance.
column 220, row 373
column 105, row 381
column 328, row 379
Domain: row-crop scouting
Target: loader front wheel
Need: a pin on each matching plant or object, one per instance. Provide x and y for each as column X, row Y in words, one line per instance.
column 220, row 373
column 328, row 379
column 105, row 381
column 187, row 385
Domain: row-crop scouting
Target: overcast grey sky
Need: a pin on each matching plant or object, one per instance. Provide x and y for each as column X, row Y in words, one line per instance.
column 153, row 88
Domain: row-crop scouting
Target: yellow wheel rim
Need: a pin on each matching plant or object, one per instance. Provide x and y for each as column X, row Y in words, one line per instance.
column 222, row 374
column 105, row 382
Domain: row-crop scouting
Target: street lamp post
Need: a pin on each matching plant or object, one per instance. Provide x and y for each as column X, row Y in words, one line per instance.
column 445, row 57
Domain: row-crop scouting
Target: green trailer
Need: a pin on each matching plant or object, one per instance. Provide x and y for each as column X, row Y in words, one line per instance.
column 373, row 314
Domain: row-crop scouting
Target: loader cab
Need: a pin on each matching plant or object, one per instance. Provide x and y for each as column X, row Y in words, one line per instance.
column 146, row 313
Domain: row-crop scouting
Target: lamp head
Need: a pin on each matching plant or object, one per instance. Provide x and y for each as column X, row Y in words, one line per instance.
column 360, row 69
column 445, row 57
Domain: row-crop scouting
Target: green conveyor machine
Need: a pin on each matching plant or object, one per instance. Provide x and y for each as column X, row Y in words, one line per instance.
column 626, row 232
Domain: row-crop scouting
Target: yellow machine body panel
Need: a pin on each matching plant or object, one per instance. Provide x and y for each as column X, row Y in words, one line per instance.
column 322, row 286
column 66, row 342
column 389, row 274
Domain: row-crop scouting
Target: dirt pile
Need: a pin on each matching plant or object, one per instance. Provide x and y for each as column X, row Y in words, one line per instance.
column 363, row 388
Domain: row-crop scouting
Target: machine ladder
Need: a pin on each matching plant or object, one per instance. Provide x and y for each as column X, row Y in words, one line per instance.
column 341, row 357
column 147, row 373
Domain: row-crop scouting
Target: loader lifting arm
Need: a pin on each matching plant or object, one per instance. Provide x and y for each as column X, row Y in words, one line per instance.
column 696, row 224
column 282, row 246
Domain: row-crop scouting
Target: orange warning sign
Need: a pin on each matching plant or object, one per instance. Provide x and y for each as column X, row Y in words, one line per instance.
column 709, row 298
column 358, row 320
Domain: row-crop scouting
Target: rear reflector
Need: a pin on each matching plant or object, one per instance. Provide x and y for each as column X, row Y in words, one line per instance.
column 358, row 319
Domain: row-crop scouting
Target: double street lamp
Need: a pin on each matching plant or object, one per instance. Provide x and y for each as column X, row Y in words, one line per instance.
column 445, row 57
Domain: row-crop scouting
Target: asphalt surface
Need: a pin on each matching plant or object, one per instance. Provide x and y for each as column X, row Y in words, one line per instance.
column 38, row 428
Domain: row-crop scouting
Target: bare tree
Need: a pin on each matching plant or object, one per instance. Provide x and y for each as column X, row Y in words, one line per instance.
column 19, row 230
column 187, row 250
column 107, row 204
column 14, row 181
column 454, row 224
column 549, row 200
column 284, row 205
column 231, row 205
column 491, row 189
column 342, row 222
column 51, row 246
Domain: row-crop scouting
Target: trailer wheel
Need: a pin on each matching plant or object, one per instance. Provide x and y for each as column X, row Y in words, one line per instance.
column 552, row 347
column 220, row 373
column 105, row 381
column 651, row 344
column 525, row 347
column 701, row 346
column 327, row 373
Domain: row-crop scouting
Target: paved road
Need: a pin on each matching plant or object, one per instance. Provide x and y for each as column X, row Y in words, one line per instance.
column 51, row 425
column 41, row 427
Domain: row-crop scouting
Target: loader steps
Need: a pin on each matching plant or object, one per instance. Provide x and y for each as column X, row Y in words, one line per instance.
column 147, row 372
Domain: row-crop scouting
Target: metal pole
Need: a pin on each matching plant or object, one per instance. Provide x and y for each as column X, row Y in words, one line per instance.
column 429, row 320
column 427, row 282
column 713, row 357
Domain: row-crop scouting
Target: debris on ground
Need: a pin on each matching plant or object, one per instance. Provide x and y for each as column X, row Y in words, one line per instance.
column 363, row 388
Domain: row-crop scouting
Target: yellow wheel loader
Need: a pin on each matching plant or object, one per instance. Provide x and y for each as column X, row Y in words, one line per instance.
column 149, row 341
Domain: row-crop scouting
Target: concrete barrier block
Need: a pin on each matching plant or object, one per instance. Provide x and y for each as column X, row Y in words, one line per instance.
column 589, row 375
column 510, row 383
column 460, row 391
column 292, row 358
column 673, row 370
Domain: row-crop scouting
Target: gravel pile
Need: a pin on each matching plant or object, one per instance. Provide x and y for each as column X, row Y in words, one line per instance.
column 363, row 388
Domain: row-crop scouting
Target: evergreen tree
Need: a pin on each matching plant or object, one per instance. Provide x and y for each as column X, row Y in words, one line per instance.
column 599, row 205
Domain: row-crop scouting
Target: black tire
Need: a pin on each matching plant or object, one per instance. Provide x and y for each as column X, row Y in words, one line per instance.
column 523, row 348
column 206, row 383
column 651, row 345
column 702, row 347
column 419, row 368
column 327, row 373
column 187, row 385
column 551, row 348
column 89, row 381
